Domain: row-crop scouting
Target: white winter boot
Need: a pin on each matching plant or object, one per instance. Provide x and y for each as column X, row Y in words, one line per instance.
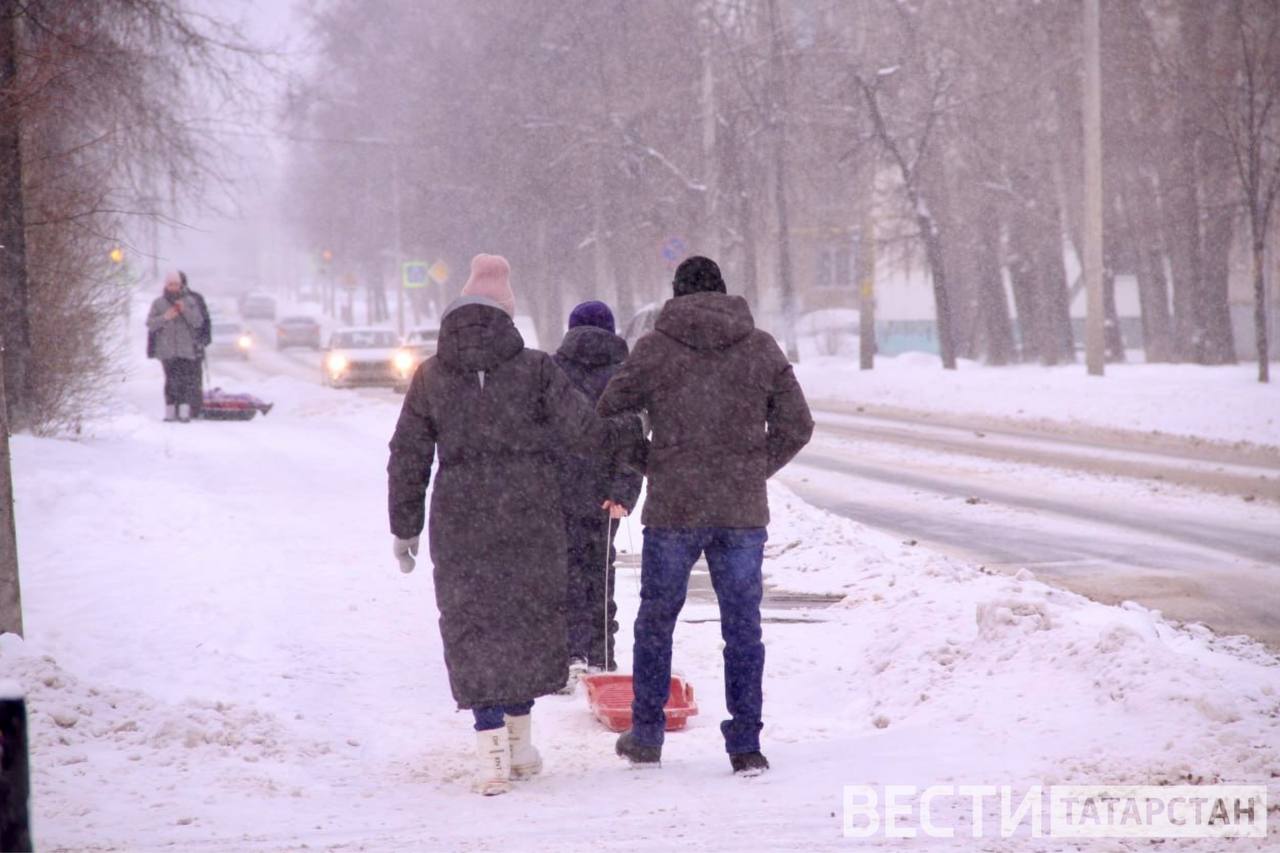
column 170, row 412
column 184, row 413
column 577, row 668
column 493, row 763
column 525, row 760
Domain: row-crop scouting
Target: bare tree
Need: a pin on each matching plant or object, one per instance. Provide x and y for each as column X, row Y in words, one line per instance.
column 908, row 150
column 1249, row 116
column 94, row 117
column 581, row 135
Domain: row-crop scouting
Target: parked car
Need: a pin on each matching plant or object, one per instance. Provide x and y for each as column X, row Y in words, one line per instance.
column 258, row 306
column 372, row 357
column 421, row 344
column 229, row 340
column 298, row 332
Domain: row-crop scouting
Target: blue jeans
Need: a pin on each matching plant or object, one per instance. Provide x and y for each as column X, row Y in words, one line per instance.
column 735, row 556
column 492, row 716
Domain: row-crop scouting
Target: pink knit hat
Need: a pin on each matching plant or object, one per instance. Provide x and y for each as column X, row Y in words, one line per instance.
column 491, row 278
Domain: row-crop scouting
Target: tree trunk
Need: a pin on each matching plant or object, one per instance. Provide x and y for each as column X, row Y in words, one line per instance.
column 959, row 253
column 1111, row 317
column 1037, row 236
column 1182, row 235
column 625, row 305
column 1180, row 181
column 1022, row 282
column 15, row 328
column 933, row 248
column 993, row 306
column 733, row 175
column 1053, row 306
column 1219, row 340
column 867, row 285
column 750, row 265
column 1260, row 308
column 552, row 317
column 1140, row 236
column 10, row 591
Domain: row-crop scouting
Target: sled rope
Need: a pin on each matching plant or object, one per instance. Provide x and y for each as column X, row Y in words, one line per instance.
column 608, row 540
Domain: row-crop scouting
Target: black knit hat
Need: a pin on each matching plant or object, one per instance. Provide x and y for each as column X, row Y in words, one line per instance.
column 697, row 274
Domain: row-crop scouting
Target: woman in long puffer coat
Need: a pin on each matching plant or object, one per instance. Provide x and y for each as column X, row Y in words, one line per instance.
column 496, row 415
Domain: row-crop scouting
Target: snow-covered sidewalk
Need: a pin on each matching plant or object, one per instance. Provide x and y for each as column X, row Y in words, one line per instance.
column 222, row 655
column 1221, row 404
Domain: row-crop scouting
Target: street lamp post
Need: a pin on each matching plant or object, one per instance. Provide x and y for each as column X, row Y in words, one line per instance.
column 399, row 258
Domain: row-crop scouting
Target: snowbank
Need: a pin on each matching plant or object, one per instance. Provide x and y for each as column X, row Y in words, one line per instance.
column 1225, row 404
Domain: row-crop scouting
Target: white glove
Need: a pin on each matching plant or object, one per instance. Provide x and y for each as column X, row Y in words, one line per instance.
column 405, row 550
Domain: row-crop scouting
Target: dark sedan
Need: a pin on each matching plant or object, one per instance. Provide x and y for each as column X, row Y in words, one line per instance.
column 298, row 332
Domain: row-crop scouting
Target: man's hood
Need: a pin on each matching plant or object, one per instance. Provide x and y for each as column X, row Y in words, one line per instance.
column 706, row 321
column 592, row 346
column 477, row 337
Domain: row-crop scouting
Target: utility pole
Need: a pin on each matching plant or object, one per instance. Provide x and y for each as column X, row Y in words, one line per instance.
column 1094, row 337
column 709, row 155
column 399, row 259
column 777, row 110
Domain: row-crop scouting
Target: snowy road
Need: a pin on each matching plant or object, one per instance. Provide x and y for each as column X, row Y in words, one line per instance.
column 1191, row 531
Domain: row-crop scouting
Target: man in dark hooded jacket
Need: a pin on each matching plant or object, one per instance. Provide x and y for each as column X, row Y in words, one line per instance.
column 595, row 493
column 726, row 414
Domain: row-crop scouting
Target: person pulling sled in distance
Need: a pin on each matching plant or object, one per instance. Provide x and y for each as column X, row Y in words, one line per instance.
column 174, row 325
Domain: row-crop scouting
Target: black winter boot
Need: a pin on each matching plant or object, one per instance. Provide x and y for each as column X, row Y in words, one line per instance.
column 636, row 753
column 748, row 763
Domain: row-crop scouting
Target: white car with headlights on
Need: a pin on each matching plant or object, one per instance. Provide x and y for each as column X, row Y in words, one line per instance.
column 371, row 357
column 229, row 340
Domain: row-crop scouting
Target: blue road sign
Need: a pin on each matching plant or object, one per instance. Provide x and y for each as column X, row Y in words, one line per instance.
column 415, row 275
column 674, row 250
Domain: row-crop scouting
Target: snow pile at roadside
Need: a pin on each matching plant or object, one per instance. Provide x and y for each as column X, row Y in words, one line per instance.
column 71, row 716
column 1224, row 403
column 1111, row 694
column 97, row 749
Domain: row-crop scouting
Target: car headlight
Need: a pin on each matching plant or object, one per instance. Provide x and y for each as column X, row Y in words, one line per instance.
column 403, row 361
column 337, row 363
column 244, row 342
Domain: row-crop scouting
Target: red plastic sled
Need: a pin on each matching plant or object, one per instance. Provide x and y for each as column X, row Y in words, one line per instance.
column 221, row 406
column 610, row 695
